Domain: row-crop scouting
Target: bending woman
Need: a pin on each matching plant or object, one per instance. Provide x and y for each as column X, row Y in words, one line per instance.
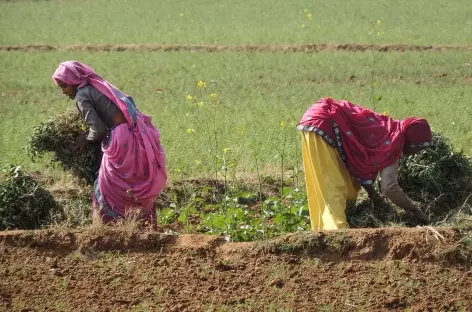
column 346, row 146
column 133, row 168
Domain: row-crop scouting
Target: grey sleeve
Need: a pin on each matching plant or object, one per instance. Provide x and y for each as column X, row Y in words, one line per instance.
column 97, row 128
column 392, row 190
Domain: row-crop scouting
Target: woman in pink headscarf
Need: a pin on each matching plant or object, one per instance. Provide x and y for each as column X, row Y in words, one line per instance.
column 346, row 146
column 133, row 168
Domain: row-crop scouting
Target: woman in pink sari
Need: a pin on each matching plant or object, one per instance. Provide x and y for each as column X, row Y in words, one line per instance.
column 346, row 146
column 133, row 168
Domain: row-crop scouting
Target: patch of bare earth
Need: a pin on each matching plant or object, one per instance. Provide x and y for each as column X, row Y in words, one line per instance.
column 237, row 48
column 389, row 269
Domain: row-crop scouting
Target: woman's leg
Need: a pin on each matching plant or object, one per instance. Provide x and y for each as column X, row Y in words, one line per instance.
column 328, row 184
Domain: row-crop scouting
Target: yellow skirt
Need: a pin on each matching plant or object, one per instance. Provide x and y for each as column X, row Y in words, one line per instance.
column 329, row 184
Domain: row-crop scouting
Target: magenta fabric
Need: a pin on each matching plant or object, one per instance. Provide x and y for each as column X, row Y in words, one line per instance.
column 132, row 172
column 367, row 141
column 133, row 168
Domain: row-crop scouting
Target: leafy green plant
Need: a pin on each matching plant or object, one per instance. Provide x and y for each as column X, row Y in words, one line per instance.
column 24, row 202
column 57, row 136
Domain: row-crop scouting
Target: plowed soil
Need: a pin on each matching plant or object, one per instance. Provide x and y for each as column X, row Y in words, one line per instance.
column 389, row 269
column 237, row 48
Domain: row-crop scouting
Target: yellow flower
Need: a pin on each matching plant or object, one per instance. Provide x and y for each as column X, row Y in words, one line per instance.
column 243, row 131
column 190, row 130
column 386, row 113
column 380, row 33
column 303, row 25
column 283, row 124
column 226, row 150
column 200, row 104
column 198, row 162
column 213, row 96
column 181, row 14
column 305, row 11
column 379, row 22
column 310, row 16
column 201, row 84
column 189, row 97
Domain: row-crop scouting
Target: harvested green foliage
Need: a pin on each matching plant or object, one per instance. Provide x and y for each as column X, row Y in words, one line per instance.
column 439, row 178
column 58, row 136
column 24, row 202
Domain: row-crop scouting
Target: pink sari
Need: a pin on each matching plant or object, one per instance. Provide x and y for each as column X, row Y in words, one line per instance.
column 133, row 167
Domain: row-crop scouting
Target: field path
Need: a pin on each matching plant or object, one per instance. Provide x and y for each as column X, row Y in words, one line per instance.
column 236, row 48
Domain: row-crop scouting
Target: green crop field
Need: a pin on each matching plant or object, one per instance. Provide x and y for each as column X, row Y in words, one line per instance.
column 256, row 91
column 234, row 22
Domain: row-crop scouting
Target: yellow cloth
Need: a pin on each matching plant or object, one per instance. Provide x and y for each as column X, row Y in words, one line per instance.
column 328, row 182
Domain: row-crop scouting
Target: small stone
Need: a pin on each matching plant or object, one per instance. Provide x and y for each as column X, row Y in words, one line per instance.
column 279, row 283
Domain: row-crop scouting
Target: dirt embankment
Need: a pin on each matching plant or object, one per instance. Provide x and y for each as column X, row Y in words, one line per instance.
column 389, row 269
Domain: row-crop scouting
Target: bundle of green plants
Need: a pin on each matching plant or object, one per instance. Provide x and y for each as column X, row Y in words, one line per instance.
column 24, row 201
column 439, row 178
column 57, row 136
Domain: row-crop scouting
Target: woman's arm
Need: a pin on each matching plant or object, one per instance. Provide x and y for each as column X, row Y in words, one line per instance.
column 392, row 190
column 96, row 126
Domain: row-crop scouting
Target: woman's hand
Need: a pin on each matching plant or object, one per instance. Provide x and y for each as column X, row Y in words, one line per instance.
column 80, row 142
column 373, row 195
column 418, row 213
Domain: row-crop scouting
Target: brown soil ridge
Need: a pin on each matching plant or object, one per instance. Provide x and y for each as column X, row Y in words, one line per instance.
column 235, row 48
column 120, row 269
column 419, row 244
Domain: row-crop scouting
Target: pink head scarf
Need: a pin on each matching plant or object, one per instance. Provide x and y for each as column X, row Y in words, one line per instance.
column 78, row 74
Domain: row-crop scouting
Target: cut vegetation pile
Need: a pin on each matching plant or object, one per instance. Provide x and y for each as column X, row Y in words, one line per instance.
column 24, row 202
column 57, row 137
column 439, row 178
